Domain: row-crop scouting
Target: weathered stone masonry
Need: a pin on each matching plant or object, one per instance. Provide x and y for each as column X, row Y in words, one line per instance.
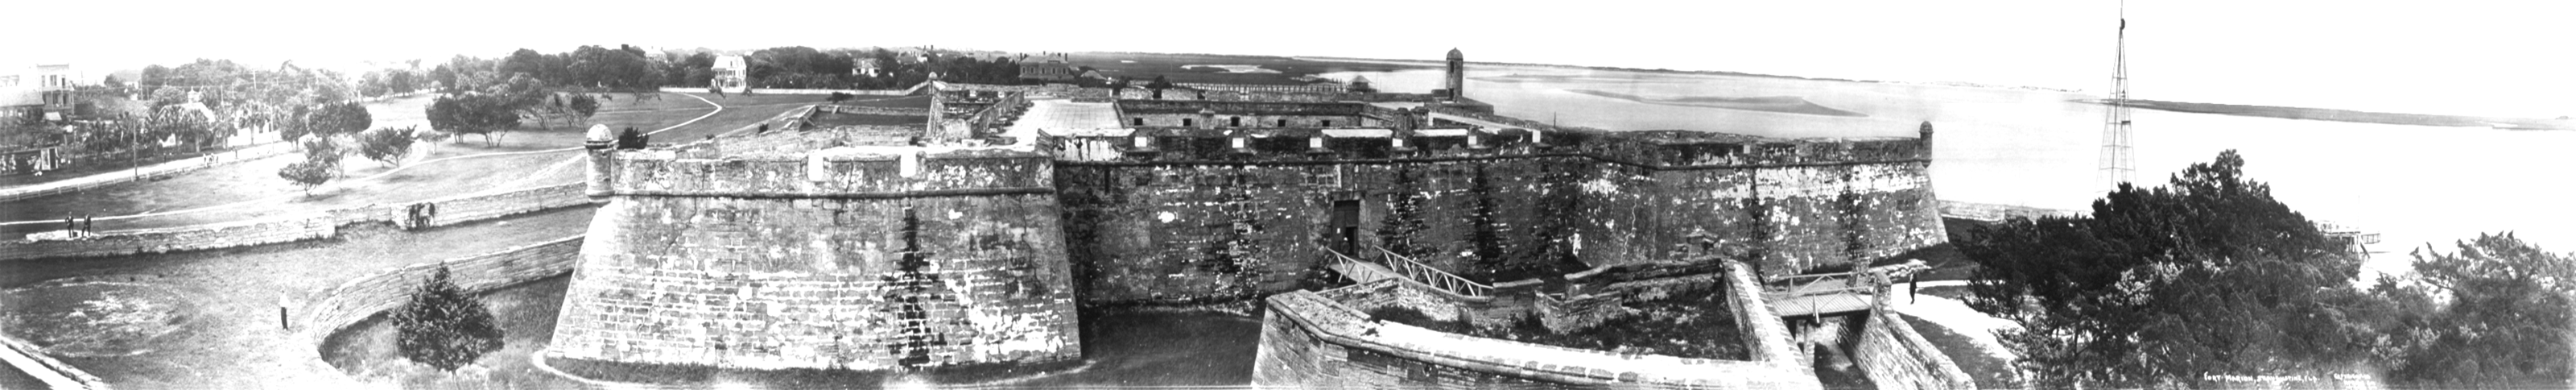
column 850, row 258
column 1170, row 222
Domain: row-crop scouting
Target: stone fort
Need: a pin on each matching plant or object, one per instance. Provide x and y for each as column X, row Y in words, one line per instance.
column 976, row 236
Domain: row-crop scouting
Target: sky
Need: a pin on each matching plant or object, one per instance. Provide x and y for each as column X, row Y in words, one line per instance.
column 2452, row 57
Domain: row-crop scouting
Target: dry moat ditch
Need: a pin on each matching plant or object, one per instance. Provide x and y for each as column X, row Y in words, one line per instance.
column 1122, row 347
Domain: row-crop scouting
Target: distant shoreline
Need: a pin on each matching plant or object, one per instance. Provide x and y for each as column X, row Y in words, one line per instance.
column 1778, row 104
column 2329, row 114
column 1436, row 64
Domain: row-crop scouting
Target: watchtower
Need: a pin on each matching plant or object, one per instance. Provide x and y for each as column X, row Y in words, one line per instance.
column 1457, row 80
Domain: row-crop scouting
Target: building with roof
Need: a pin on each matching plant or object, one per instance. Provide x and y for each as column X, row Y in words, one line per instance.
column 1053, row 68
column 40, row 90
column 732, row 74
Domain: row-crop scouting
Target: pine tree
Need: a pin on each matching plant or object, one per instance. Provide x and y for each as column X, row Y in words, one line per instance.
column 444, row 328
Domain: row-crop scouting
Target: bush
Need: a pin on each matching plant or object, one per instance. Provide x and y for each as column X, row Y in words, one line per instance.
column 442, row 327
column 631, row 139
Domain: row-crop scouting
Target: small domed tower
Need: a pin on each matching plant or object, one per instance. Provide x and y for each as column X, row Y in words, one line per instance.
column 1927, row 140
column 1457, row 74
column 601, row 143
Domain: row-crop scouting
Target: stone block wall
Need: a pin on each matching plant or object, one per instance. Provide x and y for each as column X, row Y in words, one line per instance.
column 826, row 263
column 841, row 172
column 1185, row 231
column 1792, row 218
column 1159, row 224
column 186, row 238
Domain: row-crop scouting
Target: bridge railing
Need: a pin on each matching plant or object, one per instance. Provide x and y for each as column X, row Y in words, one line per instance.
column 1820, row 284
column 1434, row 277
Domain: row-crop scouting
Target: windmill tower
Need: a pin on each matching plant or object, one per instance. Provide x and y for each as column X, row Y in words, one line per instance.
column 2119, row 165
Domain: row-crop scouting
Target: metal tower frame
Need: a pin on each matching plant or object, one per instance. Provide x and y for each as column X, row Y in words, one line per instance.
column 2119, row 164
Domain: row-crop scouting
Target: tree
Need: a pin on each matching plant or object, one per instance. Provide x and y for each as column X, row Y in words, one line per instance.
column 583, row 105
column 2505, row 322
column 337, row 118
column 2207, row 275
column 472, row 114
column 307, row 173
column 387, row 145
column 442, row 327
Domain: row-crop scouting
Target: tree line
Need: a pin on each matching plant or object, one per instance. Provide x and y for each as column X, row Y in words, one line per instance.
column 2208, row 275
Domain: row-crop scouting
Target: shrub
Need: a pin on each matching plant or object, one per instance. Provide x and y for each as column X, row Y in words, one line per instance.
column 442, row 327
column 631, row 139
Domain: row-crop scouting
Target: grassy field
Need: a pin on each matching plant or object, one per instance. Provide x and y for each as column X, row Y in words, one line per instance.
column 233, row 295
column 1144, row 66
column 252, row 189
column 2328, row 114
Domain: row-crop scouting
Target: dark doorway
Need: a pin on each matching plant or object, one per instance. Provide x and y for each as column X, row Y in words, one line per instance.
column 1346, row 226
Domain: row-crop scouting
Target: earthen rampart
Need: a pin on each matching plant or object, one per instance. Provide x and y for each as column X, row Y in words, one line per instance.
column 327, row 311
column 1311, row 340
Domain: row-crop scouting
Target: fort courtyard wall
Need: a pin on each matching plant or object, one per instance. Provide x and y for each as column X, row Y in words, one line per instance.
column 1192, row 218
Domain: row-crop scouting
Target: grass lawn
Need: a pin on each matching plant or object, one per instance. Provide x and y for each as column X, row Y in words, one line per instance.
column 231, row 296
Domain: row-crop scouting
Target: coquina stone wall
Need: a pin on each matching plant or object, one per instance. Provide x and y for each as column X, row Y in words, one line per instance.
column 1189, row 217
column 299, row 227
column 894, row 258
